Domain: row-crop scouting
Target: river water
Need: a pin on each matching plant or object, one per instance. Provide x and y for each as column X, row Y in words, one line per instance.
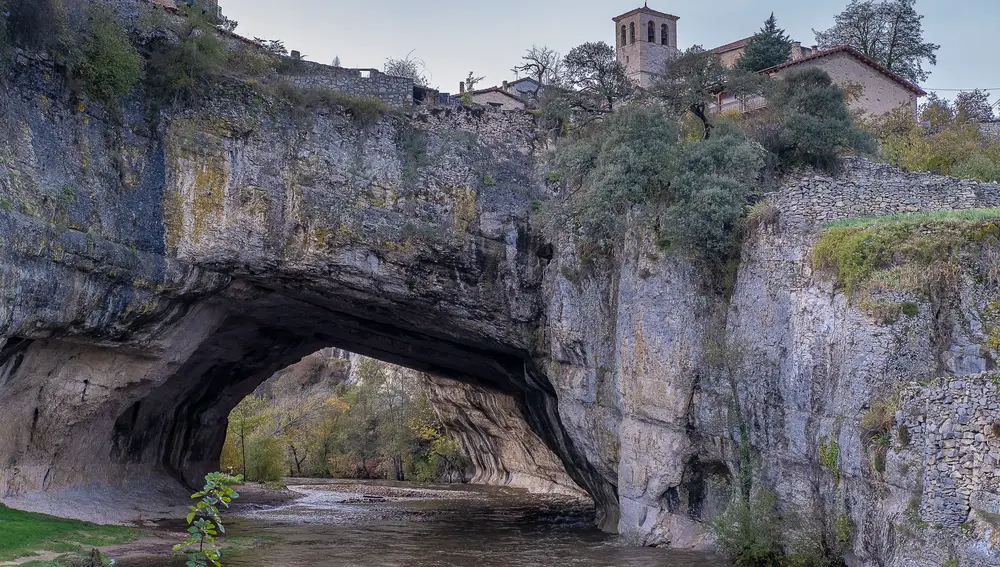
column 340, row 523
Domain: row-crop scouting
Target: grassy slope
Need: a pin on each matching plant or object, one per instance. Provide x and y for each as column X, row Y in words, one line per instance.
column 24, row 533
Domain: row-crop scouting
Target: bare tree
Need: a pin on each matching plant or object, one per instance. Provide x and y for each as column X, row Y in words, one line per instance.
column 471, row 81
column 410, row 67
column 541, row 64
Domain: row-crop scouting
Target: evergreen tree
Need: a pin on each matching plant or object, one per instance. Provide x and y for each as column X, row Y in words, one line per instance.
column 769, row 47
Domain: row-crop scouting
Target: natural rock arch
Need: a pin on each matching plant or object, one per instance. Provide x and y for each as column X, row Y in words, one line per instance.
column 188, row 266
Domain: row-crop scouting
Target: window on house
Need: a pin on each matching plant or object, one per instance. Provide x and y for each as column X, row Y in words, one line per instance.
column 651, row 33
column 631, row 32
column 664, row 35
column 624, row 37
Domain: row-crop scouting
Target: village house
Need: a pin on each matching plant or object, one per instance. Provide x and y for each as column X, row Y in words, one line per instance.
column 513, row 95
column 877, row 89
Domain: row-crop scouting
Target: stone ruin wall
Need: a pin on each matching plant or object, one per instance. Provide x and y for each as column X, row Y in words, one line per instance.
column 954, row 439
column 865, row 188
column 395, row 91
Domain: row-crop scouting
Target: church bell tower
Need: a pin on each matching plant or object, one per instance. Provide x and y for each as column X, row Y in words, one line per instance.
column 646, row 40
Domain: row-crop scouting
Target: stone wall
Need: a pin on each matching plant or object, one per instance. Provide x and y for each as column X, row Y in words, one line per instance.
column 865, row 188
column 954, row 435
column 395, row 91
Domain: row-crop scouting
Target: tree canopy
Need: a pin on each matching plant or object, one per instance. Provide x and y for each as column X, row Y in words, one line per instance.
column 598, row 79
column 973, row 106
column 691, row 83
column 769, row 47
column 889, row 31
column 810, row 120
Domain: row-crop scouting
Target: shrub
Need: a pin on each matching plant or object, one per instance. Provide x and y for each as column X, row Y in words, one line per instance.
column 915, row 253
column 808, row 121
column 980, row 166
column 750, row 531
column 761, row 214
column 633, row 162
column 613, row 165
column 265, row 459
column 717, row 175
column 109, row 64
column 180, row 69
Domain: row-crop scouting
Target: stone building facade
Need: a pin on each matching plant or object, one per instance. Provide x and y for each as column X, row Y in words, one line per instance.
column 646, row 40
column 881, row 90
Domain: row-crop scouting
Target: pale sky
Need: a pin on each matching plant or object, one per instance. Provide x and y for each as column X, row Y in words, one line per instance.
column 454, row 37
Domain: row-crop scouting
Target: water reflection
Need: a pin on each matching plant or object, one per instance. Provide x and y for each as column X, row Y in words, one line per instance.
column 474, row 527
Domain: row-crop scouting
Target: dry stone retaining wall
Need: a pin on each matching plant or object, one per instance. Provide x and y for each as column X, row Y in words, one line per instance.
column 865, row 188
column 955, row 427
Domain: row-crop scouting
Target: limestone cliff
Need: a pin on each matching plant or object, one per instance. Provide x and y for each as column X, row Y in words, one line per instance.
column 158, row 271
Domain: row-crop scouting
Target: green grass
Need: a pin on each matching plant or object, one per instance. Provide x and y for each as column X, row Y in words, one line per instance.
column 907, row 253
column 23, row 534
column 967, row 214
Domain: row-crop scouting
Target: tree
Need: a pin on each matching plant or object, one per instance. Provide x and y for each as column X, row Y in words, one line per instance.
column 409, row 67
column 541, row 64
column 888, row 31
column 691, row 84
column 768, row 48
column 242, row 421
column 936, row 113
column 598, row 80
column 336, row 61
column 973, row 106
column 747, row 86
column 471, row 81
column 108, row 62
column 810, row 122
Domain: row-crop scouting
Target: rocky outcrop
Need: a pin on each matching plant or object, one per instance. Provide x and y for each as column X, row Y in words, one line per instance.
column 492, row 433
column 156, row 273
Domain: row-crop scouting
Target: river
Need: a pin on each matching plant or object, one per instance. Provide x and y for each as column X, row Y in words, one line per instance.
column 380, row 524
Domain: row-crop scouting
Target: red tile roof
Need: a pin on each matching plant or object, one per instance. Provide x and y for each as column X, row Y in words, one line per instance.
column 732, row 46
column 857, row 55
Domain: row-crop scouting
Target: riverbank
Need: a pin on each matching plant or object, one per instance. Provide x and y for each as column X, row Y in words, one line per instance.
column 27, row 537
column 378, row 524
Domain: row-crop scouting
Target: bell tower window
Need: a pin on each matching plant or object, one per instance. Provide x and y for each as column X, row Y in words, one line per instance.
column 665, row 35
column 631, row 32
column 624, row 37
column 651, row 32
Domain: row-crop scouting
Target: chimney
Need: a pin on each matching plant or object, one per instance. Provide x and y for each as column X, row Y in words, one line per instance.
column 461, row 87
column 505, row 85
column 796, row 50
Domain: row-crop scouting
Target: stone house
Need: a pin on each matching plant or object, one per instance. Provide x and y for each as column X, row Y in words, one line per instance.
column 879, row 90
column 495, row 97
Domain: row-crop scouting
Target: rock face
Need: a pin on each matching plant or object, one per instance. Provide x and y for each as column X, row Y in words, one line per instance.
column 157, row 273
column 492, row 433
